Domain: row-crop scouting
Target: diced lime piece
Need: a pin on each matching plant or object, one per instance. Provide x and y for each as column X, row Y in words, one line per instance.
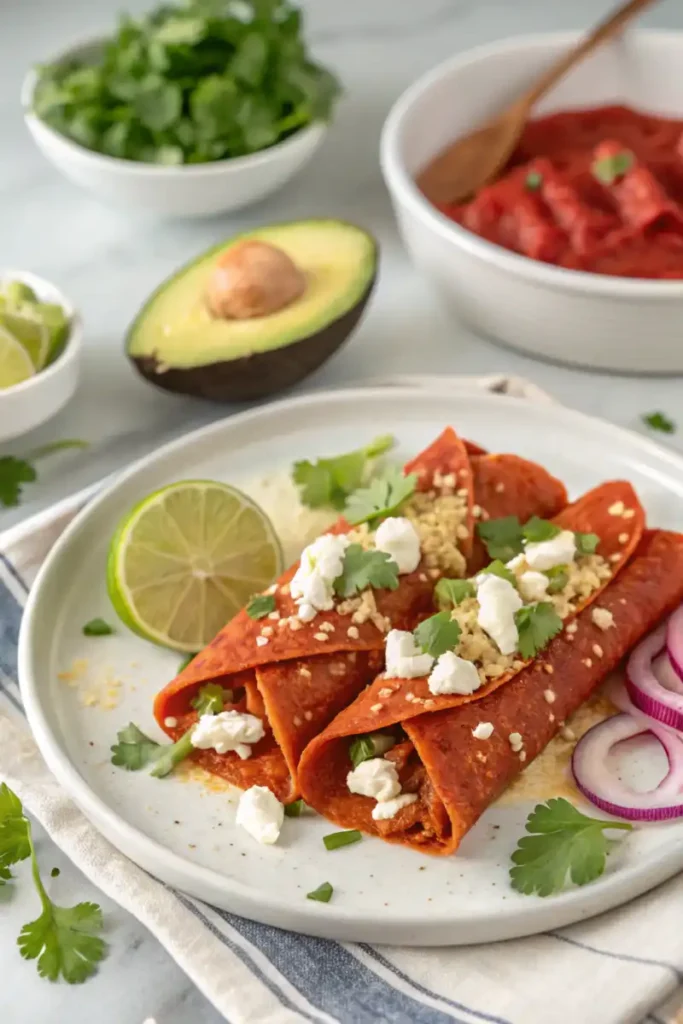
column 16, row 292
column 186, row 559
column 15, row 362
column 30, row 332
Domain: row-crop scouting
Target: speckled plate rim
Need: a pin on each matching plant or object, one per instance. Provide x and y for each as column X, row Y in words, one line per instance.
column 433, row 928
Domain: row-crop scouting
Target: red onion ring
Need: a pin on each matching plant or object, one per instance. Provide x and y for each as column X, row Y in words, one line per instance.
column 609, row 793
column 645, row 689
column 674, row 642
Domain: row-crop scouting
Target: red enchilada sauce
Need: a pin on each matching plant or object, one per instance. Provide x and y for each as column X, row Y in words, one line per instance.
column 598, row 190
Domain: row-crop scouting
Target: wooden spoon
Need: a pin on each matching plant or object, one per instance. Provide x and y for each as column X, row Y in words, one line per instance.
column 470, row 162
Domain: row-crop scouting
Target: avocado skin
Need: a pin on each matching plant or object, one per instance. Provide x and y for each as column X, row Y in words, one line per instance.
column 260, row 374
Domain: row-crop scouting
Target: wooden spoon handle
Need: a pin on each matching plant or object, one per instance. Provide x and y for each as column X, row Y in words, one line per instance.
column 604, row 31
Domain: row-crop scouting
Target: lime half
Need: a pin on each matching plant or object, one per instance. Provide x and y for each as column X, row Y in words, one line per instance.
column 15, row 362
column 31, row 331
column 186, row 559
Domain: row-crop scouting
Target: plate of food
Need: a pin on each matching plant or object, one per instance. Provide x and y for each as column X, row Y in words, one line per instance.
column 377, row 665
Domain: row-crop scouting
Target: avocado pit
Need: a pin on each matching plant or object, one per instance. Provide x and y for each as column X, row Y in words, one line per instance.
column 253, row 279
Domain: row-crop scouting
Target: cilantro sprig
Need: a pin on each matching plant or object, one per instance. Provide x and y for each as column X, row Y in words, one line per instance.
column 498, row 568
column 16, row 471
column 562, row 843
column 260, row 605
column 372, row 744
column 453, row 592
column 363, row 569
column 536, row 624
column 659, row 421
column 381, row 498
column 327, row 483
column 502, row 537
column 65, row 941
column 437, row 634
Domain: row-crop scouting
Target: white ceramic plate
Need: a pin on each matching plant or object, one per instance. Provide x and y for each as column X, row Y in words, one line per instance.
column 184, row 832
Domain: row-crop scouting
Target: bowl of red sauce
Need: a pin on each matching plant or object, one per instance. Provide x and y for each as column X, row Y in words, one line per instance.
column 575, row 251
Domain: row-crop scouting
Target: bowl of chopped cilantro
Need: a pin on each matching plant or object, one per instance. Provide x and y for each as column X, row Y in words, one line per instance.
column 190, row 110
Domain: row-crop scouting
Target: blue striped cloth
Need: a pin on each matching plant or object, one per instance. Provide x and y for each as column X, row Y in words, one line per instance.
column 625, row 967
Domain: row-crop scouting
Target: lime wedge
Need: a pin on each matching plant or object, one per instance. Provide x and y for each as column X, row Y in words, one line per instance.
column 15, row 362
column 31, row 331
column 186, row 559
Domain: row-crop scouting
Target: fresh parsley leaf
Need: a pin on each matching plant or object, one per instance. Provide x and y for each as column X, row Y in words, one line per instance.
column 329, row 482
column 586, row 543
column 498, row 568
column 363, row 569
column 134, row 750
column 437, row 634
column 383, row 497
column 659, row 421
column 533, row 181
column 609, row 168
column 97, row 627
column 14, row 473
column 453, row 592
column 260, row 605
column 64, row 941
column 564, row 842
column 537, row 625
column 558, row 577
column 502, row 537
column 536, row 530
column 211, row 699
column 323, row 894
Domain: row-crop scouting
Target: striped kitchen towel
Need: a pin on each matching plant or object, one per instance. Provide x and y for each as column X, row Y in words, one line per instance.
column 626, row 966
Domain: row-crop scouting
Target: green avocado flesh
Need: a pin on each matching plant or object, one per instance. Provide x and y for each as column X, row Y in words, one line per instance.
column 176, row 331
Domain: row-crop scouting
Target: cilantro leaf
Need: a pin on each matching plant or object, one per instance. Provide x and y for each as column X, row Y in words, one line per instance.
column 363, row 569
column 64, row 941
column 372, row 744
column 502, row 538
column 537, row 625
column 260, row 605
column 5, row 875
column 498, row 568
column 15, row 843
column 437, row 634
column 453, row 592
column 323, row 894
column 210, row 699
column 536, row 530
column 329, row 482
column 97, row 627
column 134, row 750
column 609, row 168
column 382, row 498
column 13, row 473
column 564, row 842
column 659, row 421
column 558, row 577
column 586, row 543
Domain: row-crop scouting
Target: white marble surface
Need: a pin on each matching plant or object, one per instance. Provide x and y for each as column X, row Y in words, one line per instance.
column 108, row 262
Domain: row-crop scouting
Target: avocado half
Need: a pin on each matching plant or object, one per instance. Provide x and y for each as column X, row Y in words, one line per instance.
column 177, row 344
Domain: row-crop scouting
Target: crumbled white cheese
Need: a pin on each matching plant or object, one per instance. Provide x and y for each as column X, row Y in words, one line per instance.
column 404, row 659
column 399, row 539
column 483, row 731
column 546, row 554
column 602, row 617
column 170, row 722
column 390, row 808
column 515, row 562
column 227, row 731
column 452, row 674
column 376, row 778
column 533, row 586
column 498, row 602
column 312, row 586
column 617, row 509
column 516, row 742
column 261, row 814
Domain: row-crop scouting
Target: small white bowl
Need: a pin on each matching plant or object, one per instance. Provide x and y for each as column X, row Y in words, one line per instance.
column 191, row 190
column 592, row 320
column 27, row 405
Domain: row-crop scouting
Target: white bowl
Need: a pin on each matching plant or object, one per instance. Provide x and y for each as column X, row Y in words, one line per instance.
column 186, row 191
column 27, row 405
column 593, row 320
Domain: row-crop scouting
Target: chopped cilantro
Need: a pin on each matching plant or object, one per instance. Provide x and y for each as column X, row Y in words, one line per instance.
column 533, row 181
column 260, row 605
column 537, row 624
column 563, row 842
column 323, row 894
column 210, row 699
column 558, row 577
column 373, row 744
column 537, row 530
column 383, row 497
column 659, row 421
column 609, row 168
column 55, row 873
column 363, row 569
column 586, row 543
column 437, row 634
column 134, row 750
column 329, row 482
column 498, row 568
column 453, row 592
column 502, row 537
column 97, row 627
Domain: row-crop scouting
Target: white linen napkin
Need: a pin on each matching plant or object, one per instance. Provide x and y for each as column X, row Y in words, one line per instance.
column 625, row 967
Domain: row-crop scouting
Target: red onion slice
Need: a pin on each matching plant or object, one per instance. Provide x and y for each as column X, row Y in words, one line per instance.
column 602, row 788
column 645, row 690
column 674, row 642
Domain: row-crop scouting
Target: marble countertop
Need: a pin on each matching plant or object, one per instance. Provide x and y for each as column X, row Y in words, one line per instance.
column 108, row 261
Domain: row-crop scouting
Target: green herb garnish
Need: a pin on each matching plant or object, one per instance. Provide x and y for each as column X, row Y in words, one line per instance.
column 558, row 578
column 191, row 84
column 586, row 543
column 533, row 181
column 502, row 538
column 64, row 940
column 210, row 699
column 453, row 592
column 363, row 569
column 329, row 482
column 336, row 840
column 373, row 744
column 134, row 750
column 437, row 634
column 498, row 568
column 15, row 471
column 294, row 809
column 55, row 873
column 381, row 498
column 609, row 168
column 323, row 894
column 564, row 842
column 97, row 627
column 260, row 605
column 537, row 624
column 659, row 421
column 536, row 530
